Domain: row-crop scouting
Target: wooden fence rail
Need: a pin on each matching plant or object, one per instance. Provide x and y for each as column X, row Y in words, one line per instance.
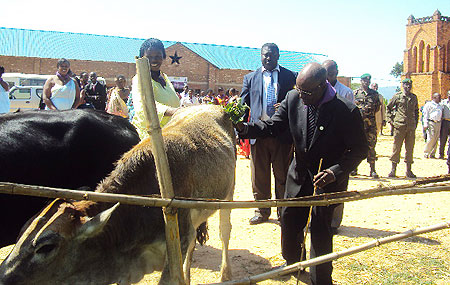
column 419, row 186
column 335, row 255
column 319, row 200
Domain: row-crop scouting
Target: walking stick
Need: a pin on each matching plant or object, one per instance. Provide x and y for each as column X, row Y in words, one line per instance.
column 303, row 249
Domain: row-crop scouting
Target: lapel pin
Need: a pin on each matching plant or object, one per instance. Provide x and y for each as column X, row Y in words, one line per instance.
column 321, row 128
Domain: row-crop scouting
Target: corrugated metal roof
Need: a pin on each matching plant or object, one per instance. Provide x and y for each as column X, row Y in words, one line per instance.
column 51, row 44
column 236, row 57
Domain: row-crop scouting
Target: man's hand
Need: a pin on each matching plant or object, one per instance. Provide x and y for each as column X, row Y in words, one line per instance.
column 324, row 178
column 239, row 127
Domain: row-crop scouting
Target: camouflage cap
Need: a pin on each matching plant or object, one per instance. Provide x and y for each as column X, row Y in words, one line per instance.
column 407, row 80
column 366, row 75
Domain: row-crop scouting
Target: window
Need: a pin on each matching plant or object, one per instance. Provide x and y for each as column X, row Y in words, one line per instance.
column 448, row 56
column 420, row 59
column 39, row 92
column 20, row 93
column 32, row 82
column 10, row 84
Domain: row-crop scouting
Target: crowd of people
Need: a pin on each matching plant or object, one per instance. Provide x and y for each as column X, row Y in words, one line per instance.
column 307, row 129
column 188, row 97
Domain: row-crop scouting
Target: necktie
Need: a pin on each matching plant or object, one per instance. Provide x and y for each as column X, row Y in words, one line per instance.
column 271, row 98
column 311, row 123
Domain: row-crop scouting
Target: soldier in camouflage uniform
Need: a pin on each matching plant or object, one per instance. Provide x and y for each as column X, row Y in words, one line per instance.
column 368, row 102
column 403, row 114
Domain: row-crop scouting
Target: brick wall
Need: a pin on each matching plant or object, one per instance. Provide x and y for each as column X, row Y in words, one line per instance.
column 200, row 73
column 34, row 65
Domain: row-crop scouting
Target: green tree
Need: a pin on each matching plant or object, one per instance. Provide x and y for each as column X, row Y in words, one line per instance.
column 397, row 69
column 355, row 86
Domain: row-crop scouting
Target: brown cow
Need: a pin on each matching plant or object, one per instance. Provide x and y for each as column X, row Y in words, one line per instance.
column 97, row 243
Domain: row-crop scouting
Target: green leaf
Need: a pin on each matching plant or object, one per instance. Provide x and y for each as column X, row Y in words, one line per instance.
column 236, row 110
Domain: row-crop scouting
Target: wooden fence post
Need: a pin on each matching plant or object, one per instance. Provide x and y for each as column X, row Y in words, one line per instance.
column 162, row 169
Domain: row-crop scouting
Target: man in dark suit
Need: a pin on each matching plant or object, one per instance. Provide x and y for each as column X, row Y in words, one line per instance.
column 262, row 91
column 323, row 126
column 95, row 93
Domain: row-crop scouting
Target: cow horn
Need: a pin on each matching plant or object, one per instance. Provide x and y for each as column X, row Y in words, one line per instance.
column 95, row 224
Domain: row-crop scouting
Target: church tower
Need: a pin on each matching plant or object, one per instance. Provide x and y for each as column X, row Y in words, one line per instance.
column 427, row 55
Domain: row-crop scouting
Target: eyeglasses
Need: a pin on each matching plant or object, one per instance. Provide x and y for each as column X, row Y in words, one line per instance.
column 307, row 93
column 303, row 92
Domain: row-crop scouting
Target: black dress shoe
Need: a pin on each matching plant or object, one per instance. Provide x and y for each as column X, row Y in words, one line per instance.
column 257, row 219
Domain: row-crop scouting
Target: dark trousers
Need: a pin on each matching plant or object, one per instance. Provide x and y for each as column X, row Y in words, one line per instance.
column 265, row 153
column 293, row 223
column 445, row 131
column 402, row 134
column 371, row 134
column 338, row 214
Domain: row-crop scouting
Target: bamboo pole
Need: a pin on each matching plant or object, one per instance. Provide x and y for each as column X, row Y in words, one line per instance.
column 303, row 246
column 162, row 170
column 319, row 200
column 335, row 255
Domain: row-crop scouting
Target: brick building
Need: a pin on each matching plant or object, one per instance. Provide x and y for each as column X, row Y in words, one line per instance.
column 427, row 55
column 201, row 66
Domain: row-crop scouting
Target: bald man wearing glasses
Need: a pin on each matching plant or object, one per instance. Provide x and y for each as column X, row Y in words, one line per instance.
column 323, row 127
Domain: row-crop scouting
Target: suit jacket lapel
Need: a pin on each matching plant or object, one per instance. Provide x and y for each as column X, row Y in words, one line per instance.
column 325, row 117
column 259, row 86
column 279, row 83
column 303, row 117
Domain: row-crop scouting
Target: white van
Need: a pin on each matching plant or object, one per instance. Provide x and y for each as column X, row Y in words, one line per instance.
column 23, row 79
column 25, row 98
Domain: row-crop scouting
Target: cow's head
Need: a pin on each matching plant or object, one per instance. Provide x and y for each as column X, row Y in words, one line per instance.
column 51, row 246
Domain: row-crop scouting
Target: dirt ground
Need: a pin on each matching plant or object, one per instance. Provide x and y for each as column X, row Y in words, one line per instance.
column 418, row 260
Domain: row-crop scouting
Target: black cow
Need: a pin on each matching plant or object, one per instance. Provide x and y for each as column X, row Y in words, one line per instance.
column 66, row 149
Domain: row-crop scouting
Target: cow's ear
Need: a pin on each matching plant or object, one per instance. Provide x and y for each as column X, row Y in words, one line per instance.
column 96, row 224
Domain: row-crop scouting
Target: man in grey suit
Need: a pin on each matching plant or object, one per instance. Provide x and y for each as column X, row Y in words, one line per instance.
column 263, row 90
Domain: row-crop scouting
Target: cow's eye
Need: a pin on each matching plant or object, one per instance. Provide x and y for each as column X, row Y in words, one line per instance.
column 45, row 249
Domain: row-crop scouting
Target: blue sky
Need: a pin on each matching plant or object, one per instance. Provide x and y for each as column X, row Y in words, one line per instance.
column 362, row 36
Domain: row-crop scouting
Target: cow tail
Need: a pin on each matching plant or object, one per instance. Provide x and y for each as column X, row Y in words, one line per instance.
column 202, row 233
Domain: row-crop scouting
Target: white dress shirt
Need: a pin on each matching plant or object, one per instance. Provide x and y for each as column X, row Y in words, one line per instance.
column 432, row 111
column 344, row 91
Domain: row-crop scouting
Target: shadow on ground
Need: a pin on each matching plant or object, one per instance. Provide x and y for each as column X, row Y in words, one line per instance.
column 243, row 263
column 373, row 233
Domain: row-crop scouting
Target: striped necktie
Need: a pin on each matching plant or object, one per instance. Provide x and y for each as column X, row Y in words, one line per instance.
column 271, row 98
column 312, row 116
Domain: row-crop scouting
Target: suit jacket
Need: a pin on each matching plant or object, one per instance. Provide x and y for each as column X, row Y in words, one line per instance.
column 96, row 95
column 339, row 139
column 252, row 94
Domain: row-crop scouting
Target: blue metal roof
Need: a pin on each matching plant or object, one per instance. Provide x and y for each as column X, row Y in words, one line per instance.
column 236, row 57
column 51, row 44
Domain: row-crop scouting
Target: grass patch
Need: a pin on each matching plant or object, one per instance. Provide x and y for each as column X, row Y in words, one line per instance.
column 409, row 267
